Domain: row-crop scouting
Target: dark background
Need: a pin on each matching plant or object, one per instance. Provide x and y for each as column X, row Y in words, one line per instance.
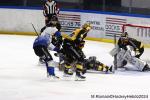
column 97, row 5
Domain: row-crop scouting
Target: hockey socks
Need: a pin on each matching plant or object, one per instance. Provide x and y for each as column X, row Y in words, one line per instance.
column 50, row 71
column 79, row 70
column 68, row 70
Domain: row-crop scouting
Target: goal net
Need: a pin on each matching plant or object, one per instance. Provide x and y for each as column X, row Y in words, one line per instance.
column 139, row 32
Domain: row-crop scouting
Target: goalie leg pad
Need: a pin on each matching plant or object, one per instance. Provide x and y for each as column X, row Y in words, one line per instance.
column 121, row 58
column 114, row 51
column 139, row 64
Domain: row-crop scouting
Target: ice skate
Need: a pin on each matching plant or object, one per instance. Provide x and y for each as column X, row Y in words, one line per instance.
column 146, row 68
column 52, row 76
column 68, row 72
column 51, row 73
column 41, row 62
column 111, row 69
column 79, row 77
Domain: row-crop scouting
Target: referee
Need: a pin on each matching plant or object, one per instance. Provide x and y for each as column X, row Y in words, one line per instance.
column 50, row 8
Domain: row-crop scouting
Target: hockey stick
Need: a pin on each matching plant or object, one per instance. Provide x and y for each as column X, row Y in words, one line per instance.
column 35, row 30
column 115, row 56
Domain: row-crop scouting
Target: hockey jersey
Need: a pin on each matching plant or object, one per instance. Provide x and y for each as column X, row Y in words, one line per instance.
column 49, row 30
column 42, row 40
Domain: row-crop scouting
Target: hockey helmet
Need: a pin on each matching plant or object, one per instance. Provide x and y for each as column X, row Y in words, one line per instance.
column 124, row 40
column 92, row 58
column 54, row 18
column 49, row 0
column 87, row 26
column 125, row 34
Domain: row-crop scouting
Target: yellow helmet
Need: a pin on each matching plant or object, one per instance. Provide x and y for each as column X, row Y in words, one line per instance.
column 87, row 26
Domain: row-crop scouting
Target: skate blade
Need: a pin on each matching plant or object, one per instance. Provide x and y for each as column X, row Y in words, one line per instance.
column 79, row 79
column 67, row 75
column 110, row 72
column 53, row 77
column 41, row 64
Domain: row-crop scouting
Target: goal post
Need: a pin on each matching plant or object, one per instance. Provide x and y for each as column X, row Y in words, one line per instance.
column 139, row 32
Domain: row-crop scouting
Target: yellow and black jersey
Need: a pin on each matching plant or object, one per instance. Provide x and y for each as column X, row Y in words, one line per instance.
column 135, row 44
column 76, row 39
column 78, row 35
column 130, row 41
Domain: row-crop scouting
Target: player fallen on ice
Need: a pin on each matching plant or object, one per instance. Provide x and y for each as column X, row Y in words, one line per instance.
column 42, row 45
column 92, row 64
column 124, row 49
column 72, row 50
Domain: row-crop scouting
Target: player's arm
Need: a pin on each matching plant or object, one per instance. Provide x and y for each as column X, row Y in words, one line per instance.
column 73, row 35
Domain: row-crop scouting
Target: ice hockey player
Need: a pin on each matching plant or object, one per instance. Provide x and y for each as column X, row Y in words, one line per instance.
column 53, row 22
column 93, row 64
column 41, row 47
column 125, row 41
column 72, row 49
column 57, row 37
column 124, row 55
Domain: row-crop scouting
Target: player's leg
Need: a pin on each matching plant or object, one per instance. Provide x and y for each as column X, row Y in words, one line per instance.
column 39, row 52
column 104, row 68
column 93, row 64
column 138, row 63
column 68, row 60
column 79, row 71
column 50, row 64
column 68, row 69
column 121, row 61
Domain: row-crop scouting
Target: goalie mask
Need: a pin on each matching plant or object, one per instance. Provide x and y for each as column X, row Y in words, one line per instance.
column 125, row 34
column 124, row 40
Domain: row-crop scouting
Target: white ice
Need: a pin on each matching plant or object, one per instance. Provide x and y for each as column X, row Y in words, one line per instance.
column 22, row 79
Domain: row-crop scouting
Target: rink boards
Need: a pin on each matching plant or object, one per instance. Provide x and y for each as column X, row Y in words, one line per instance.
column 104, row 24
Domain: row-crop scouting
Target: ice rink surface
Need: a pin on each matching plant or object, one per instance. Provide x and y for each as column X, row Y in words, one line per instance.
column 21, row 78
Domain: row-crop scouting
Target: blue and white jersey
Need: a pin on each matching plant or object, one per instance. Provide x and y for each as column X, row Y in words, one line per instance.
column 42, row 40
column 45, row 38
column 50, row 31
